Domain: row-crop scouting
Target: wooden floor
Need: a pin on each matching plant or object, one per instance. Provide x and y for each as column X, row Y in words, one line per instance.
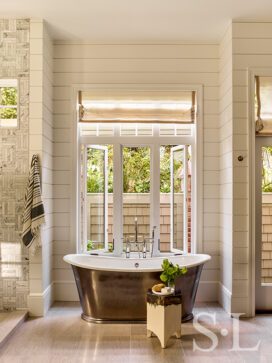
column 63, row 337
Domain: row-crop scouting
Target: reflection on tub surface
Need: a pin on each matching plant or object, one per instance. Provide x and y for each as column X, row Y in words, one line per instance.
column 114, row 289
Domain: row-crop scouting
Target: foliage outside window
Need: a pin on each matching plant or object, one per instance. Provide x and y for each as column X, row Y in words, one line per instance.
column 267, row 169
column 8, row 104
column 136, row 165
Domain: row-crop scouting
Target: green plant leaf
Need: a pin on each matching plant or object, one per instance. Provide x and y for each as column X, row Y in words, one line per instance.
column 164, row 277
column 171, row 271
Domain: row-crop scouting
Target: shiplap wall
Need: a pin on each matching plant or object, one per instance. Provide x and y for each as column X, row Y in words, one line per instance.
column 83, row 63
column 251, row 49
column 41, row 143
column 47, row 182
column 226, row 141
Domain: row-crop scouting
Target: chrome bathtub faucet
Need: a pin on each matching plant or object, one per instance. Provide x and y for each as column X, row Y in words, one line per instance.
column 143, row 243
column 127, row 248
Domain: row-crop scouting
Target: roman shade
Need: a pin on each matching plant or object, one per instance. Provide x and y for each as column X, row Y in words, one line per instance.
column 263, row 105
column 137, row 107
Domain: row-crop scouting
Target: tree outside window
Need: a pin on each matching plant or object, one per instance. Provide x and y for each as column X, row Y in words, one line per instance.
column 136, row 165
column 8, row 106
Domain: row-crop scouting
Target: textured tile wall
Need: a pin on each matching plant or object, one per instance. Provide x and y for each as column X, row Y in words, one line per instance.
column 14, row 268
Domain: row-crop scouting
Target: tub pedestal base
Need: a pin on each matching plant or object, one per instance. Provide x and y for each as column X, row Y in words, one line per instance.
column 117, row 296
column 89, row 319
column 105, row 321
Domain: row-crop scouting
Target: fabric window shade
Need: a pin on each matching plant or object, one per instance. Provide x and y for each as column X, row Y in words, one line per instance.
column 263, row 105
column 137, row 107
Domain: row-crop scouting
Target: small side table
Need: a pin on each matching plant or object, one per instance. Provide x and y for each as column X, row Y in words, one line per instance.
column 164, row 316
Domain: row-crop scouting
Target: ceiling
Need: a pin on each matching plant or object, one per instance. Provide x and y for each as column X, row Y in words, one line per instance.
column 138, row 20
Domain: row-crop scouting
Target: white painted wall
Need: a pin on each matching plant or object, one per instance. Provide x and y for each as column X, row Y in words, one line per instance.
column 223, row 71
column 251, row 49
column 85, row 63
column 226, row 178
column 47, row 182
column 41, row 143
column 246, row 45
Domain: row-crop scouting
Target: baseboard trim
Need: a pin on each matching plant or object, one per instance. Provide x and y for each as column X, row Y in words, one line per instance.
column 224, row 297
column 48, row 297
column 39, row 303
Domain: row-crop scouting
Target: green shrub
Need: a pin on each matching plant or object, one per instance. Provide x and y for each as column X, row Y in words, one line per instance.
column 136, row 170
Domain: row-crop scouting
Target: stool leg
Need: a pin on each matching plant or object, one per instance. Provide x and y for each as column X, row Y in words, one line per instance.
column 163, row 340
column 178, row 334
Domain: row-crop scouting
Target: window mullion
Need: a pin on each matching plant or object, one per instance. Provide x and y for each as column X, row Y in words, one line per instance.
column 85, row 200
column 117, row 198
column 155, row 194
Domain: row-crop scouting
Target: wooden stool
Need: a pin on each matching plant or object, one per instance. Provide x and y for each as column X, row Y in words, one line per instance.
column 164, row 316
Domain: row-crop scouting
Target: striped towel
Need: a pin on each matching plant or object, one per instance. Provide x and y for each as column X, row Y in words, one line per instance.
column 33, row 217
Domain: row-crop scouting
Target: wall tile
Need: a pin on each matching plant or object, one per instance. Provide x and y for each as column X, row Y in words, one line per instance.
column 14, row 62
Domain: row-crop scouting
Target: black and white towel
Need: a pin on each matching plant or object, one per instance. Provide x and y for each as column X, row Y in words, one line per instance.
column 33, row 217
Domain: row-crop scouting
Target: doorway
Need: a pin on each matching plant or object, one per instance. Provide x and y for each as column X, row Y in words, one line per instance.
column 263, row 224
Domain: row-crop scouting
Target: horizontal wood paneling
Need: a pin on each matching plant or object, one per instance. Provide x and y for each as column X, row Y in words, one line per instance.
column 133, row 64
column 252, row 30
column 225, row 165
column 67, row 79
column 251, row 49
column 118, row 51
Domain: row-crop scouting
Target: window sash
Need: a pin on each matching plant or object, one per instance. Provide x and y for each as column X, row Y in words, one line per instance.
column 154, row 142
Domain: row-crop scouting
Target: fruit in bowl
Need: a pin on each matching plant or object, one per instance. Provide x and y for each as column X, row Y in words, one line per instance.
column 158, row 287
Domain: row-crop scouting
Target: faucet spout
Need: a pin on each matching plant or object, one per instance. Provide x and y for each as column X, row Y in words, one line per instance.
column 136, row 229
column 127, row 248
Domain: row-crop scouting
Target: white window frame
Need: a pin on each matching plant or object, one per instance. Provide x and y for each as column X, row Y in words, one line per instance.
column 153, row 142
column 252, row 73
column 105, row 149
column 185, row 198
column 197, row 156
column 14, row 83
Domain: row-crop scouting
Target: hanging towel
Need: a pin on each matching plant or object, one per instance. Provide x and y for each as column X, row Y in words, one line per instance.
column 33, row 217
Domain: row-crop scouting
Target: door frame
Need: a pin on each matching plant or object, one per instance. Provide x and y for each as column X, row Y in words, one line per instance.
column 252, row 72
column 264, row 291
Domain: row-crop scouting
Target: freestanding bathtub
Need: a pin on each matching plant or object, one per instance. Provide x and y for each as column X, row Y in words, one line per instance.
column 114, row 288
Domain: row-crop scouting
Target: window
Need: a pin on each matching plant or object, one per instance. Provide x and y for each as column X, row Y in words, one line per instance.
column 8, row 102
column 138, row 165
column 155, row 174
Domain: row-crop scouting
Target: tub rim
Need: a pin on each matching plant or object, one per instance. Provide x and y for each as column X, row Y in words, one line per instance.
column 68, row 259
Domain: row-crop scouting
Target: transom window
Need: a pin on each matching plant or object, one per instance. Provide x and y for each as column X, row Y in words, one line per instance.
column 8, row 102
